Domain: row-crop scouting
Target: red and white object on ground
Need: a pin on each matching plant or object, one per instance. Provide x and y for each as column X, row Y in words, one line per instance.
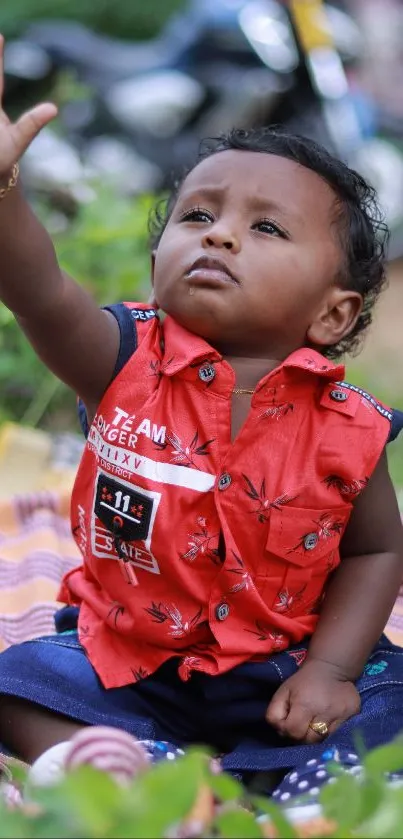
column 105, row 748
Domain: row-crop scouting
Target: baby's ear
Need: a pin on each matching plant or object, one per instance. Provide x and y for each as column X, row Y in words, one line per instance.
column 336, row 318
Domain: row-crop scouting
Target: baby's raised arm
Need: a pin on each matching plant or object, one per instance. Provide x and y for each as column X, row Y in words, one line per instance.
column 75, row 339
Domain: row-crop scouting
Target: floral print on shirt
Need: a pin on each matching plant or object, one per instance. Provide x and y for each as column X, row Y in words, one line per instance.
column 185, row 453
column 202, row 543
column 345, row 487
column 179, row 626
column 264, row 505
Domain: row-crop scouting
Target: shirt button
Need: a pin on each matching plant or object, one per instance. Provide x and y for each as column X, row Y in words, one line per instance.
column 224, row 481
column 310, row 541
column 207, row 373
column 338, row 395
column 222, row 612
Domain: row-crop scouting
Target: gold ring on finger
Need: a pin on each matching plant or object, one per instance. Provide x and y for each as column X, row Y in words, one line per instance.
column 320, row 728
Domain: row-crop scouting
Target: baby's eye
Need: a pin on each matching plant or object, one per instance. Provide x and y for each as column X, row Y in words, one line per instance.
column 269, row 227
column 197, row 214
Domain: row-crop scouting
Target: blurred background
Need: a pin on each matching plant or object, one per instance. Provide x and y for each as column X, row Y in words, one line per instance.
column 138, row 85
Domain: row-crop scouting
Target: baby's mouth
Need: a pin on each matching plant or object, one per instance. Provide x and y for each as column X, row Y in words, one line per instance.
column 208, row 270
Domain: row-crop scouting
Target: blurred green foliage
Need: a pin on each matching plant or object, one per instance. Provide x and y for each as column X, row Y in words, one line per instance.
column 159, row 803
column 124, row 18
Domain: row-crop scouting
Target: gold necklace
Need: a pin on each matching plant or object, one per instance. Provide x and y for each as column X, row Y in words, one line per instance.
column 243, row 391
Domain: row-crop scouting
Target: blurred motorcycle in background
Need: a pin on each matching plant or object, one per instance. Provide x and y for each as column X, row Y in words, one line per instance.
column 217, row 65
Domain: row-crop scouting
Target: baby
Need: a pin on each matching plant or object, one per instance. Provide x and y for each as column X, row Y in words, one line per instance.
column 240, row 535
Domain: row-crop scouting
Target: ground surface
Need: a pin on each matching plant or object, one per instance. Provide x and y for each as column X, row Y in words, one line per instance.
column 379, row 367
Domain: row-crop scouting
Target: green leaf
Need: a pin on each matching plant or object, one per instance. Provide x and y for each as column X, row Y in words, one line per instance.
column 5, row 315
column 15, row 825
column 385, row 758
column 164, row 796
column 225, row 788
column 283, row 827
column 238, row 824
column 101, row 800
column 342, row 801
column 372, row 793
column 19, row 774
column 386, row 822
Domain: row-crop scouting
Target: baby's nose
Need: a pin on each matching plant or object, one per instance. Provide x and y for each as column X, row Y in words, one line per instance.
column 220, row 236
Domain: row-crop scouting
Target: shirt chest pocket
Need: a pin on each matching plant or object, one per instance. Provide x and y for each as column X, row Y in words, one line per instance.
column 302, row 549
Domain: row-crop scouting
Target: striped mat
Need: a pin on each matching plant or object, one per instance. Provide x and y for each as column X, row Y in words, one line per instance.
column 36, row 549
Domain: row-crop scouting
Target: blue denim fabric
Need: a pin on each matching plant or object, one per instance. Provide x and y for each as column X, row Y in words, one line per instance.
column 226, row 712
column 381, row 718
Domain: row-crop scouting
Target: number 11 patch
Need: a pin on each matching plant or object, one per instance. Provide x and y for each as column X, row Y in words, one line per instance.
column 123, row 509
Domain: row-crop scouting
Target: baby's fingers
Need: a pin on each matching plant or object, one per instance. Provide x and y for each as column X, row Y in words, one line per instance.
column 291, row 716
column 297, row 723
column 279, row 707
column 22, row 132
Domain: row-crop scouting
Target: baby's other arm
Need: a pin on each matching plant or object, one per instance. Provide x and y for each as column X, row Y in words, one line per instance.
column 358, row 602
column 363, row 590
column 75, row 339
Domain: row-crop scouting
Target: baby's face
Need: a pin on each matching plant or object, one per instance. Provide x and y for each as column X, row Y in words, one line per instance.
column 269, row 223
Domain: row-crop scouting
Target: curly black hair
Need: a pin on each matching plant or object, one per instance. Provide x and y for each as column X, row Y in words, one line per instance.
column 361, row 227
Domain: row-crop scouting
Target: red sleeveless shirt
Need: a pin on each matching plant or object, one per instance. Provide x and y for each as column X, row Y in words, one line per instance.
column 198, row 547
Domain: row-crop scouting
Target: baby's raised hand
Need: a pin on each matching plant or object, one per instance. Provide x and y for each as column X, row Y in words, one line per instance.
column 316, row 693
column 16, row 137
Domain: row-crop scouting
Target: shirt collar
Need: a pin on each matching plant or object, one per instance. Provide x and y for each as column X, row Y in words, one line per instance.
column 184, row 349
column 314, row 362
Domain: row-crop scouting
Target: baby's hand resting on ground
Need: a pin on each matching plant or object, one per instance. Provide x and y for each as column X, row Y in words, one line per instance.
column 16, row 137
column 316, row 693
